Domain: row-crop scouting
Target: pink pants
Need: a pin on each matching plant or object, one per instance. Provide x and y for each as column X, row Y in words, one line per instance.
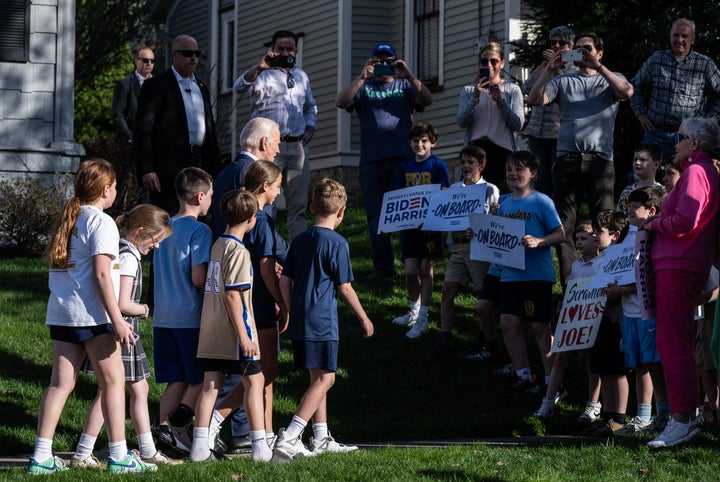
column 677, row 295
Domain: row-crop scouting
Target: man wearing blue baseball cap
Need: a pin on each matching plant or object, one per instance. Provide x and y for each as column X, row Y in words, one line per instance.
column 385, row 95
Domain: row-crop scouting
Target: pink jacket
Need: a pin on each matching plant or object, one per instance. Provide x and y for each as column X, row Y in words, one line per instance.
column 687, row 228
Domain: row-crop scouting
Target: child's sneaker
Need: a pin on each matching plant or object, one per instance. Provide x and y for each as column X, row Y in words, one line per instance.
column 328, row 444
column 608, row 430
column 176, row 438
column 636, row 426
column 560, row 395
column 657, row 426
column 420, row 327
column 50, row 466
column 592, row 412
column 161, row 458
column 505, row 371
column 214, row 440
column 286, row 449
column 546, row 410
column 408, row 319
column 676, row 433
column 523, row 386
column 131, row 463
column 89, row 462
column 479, row 354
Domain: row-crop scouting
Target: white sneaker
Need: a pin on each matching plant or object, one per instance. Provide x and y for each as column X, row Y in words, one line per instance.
column 592, row 412
column 213, row 432
column 546, row 410
column 560, row 396
column 636, row 426
column 328, row 444
column 89, row 462
column 408, row 319
column 675, row 433
column 271, row 441
column 287, row 449
column 420, row 327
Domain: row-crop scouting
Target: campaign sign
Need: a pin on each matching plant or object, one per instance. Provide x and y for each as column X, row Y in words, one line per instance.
column 645, row 274
column 405, row 208
column 449, row 208
column 617, row 265
column 579, row 319
column 498, row 240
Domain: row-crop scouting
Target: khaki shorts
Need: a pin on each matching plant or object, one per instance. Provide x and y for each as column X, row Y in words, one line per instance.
column 461, row 269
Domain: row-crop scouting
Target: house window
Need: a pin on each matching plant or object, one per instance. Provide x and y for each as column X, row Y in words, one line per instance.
column 15, row 33
column 429, row 30
column 227, row 51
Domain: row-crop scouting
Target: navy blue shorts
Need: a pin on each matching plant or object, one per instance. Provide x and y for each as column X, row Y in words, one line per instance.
column 236, row 367
column 415, row 243
column 315, row 354
column 530, row 300
column 78, row 334
column 490, row 289
column 175, row 360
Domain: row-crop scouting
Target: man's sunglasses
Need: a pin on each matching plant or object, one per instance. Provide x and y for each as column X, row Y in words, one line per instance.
column 189, row 53
column 147, row 61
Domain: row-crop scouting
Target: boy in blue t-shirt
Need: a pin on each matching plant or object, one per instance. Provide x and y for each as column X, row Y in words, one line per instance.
column 180, row 267
column 317, row 269
column 526, row 295
column 418, row 247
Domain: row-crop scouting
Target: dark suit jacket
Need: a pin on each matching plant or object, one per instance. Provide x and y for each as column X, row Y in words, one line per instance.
column 161, row 136
column 230, row 178
column 124, row 107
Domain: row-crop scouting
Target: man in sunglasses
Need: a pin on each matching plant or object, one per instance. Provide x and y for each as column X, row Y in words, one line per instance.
column 542, row 127
column 681, row 83
column 279, row 90
column 127, row 89
column 174, row 128
column 588, row 100
column 385, row 95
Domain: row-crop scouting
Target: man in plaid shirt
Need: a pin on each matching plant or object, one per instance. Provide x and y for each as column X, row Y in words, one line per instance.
column 682, row 84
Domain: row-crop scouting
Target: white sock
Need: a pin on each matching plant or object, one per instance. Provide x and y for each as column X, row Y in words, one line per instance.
column 43, row 449
column 320, row 431
column 85, row 446
column 295, row 428
column 414, row 306
column 118, row 450
column 269, row 436
column 217, row 418
column 423, row 312
column 260, row 449
column 200, row 450
column 146, row 445
column 524, row 373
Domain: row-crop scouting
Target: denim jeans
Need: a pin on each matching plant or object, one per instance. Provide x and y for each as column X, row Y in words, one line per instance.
column 580, row 177
column 546, row 151
column 377, row 178
column 664, row 139
column 239, row 422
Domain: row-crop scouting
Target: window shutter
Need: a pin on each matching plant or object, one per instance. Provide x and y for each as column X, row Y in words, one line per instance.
column 14, row 30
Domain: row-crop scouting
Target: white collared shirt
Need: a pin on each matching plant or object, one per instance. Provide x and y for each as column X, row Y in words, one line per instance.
column 194, row 108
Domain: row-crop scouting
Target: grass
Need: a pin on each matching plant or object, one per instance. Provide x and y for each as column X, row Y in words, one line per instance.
column 384, row 392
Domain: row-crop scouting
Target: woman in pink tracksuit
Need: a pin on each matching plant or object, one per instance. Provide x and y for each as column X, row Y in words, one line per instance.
column 685, row 245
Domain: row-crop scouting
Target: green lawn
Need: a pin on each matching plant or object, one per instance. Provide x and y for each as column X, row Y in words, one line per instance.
column 385, row 392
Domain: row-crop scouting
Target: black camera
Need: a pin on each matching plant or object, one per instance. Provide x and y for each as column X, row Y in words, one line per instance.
column 282, row 61
column 384, row 67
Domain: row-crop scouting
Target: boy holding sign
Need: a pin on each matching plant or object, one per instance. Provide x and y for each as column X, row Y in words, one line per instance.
column 638, row 332
column 526, row 295
column 419, row 248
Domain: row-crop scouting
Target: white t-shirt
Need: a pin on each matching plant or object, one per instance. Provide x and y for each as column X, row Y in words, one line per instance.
column 74, row 298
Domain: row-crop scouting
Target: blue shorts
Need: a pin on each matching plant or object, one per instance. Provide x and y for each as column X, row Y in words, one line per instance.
column 638, row 341
column 175, row 355
column 78, row 334
column 315, row 354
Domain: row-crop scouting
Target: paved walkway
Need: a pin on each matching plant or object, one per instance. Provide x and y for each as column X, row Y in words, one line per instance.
column 21, row 461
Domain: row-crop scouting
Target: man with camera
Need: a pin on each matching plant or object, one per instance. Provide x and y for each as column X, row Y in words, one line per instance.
column 280, row 90
column 588, row 101
column 384, row 95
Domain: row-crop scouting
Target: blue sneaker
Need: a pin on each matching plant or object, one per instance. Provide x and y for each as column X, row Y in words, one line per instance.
column 50, row 466
column 131, row 463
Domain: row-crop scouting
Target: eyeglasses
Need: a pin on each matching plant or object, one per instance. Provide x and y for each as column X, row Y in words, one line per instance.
column 680, row 137
column 561, row 43
column 147, row 61
column 290, row 81
column 189, row 53
column 485, row 61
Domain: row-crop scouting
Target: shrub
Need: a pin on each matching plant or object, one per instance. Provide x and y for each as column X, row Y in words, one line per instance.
column 30, row 209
